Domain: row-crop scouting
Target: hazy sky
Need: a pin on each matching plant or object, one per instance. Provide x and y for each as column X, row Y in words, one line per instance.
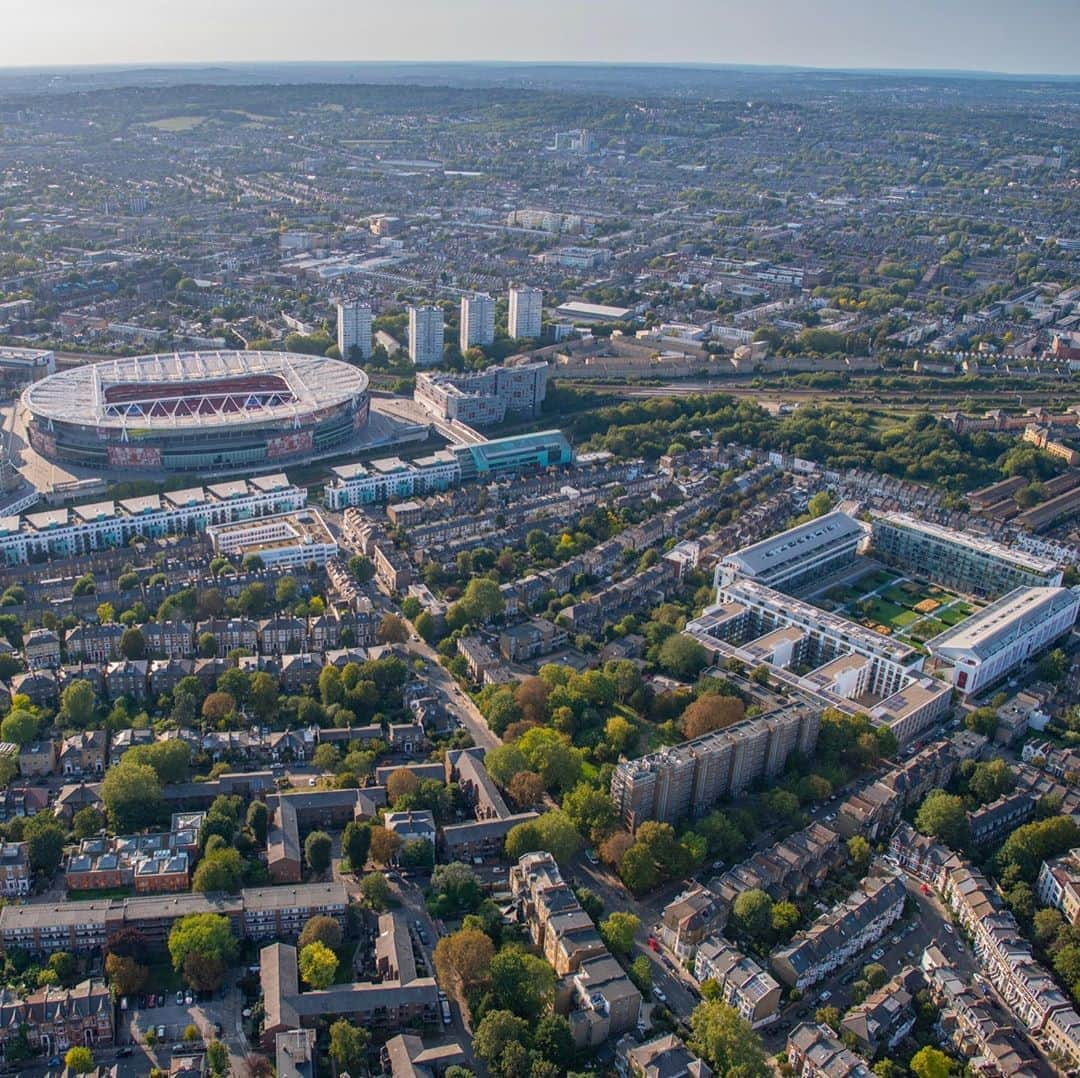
column 998, row 35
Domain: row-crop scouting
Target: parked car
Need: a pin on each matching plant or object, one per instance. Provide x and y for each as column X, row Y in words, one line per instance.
column 660, row 997
column 189, row 999
column 947, row 927
column 160, row 1033
column 825, row 996
column 179, row 999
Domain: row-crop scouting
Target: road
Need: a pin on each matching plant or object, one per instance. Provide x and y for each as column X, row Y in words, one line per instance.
column 455, row 700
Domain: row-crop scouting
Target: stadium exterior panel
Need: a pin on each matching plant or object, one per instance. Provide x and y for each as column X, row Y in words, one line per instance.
column 196, row 411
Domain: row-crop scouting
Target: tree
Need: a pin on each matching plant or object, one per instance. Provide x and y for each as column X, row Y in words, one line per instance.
column 591, row 811
column 20, row 726
column 87, row 821
column 457, row 884
column 819, row 504
column 638, row 870
column 784, row 920
column 1027, row 847
column 79, row 1060
column 752, row 913
column 318, row 965
column 132, row 796
column 711, row 712
column 322, row 929
column 222, row 870
column 504, row 762
column 521, row 982
column 132, row 643
column 217, row 1059
column 464, row 958
column 126, row 976
column 77, row 703
column 400, row 783
column 63, row 964
column 258, row 818
column 201, row 945
column 496, row 1031
column 45, row 839
column 526, row 789
column 874, row 974
column 348, row 1045
column 171, row 760
column 384, row 845
column 375, row 890
column 944, row 816
column 392, row 630
column 263, row 695
column 619, row 930
column 928, row 1062
column 317, row 851
column 218, row 706
column 355, row 843
column 552, row 831
column 641, row 974
column 859, row 853
column 683, row 657
column 726, row 1042
column 554, row 1041
column 990, row 780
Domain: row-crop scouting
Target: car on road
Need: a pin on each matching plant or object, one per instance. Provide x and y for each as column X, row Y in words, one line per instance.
column 161, row 999
column 895, row 940
column 179, row 999
column 160, row 1033
column 653, row 945
column 825, row 996
column 189, row 999
column 660, row 997
column 847, row 978
column 55, row 1061
column 123, row 1053
column 590, row 856
column 668, row 964
column 151, row 1002
column 947, row 927
column 447, row 1017
column 877, row 955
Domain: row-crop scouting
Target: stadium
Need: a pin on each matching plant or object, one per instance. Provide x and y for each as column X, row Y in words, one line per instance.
column 196, row 411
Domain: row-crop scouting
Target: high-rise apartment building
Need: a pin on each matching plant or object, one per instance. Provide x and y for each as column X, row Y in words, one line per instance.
column 477, row 320
column 354, row 328
column 526, row 313
column 426, row 336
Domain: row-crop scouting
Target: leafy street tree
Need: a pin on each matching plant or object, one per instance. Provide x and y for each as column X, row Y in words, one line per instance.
column 348, row 1045
column 944, row 816
column 19, row 726
column 392, row 630
column 79, row 1060
column 258, row 818
column 217, row 1059
column 552, row 831
column 355, row 843
column 554, row 1041
column 201, row 945
column 318, row 965
column 126, row 976
column 464, row 958
column 496, row 1032
column 132, row 796
column 45, row 839
column 752, row 913
column 317, row 851
column 384, row 845
column 928, row 1062
column 683, row 657
column 619, row 930
column 77, row 703
column 321, row 929
column 375, row 890
column 726, row 1042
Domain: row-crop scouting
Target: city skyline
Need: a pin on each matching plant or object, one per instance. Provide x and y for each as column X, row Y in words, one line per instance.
column 954, row 36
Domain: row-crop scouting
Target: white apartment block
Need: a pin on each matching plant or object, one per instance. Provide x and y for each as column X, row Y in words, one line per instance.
column 105, row 525
column 1058, row 885
column 1001, row 636
column 483, row 398
column 477, row 320
column 391, row 479
column 426, row 336
column 354, row 328
column 526, row 313
column 281, row 542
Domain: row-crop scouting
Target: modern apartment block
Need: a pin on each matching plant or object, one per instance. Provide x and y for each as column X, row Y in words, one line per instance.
column 483, row 398
column 354, row 328
column 426, row 336
column 390, row 478
column 822, row 656
column 526, row 313
column 477, row 320
column 688, row 779
column 743, row 984
column 836, row 936
column 997, row 639
column 967, row 563
column 808, row 552
column 104, row 525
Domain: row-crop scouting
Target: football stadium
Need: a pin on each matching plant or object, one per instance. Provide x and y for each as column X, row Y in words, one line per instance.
column 196, row 411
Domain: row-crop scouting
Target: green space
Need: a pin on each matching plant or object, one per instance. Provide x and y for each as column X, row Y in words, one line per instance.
column 178, row 123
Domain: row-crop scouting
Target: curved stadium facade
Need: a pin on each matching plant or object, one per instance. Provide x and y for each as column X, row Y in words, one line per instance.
column 196, row 411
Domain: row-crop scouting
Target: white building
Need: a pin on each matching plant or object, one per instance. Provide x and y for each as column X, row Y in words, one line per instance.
column 1001, row 636
column 280, row 542
column 477, row 320
column 426, row 336
column 799, row 555
column 354, row 328
column 526, row 313
column 391, row 479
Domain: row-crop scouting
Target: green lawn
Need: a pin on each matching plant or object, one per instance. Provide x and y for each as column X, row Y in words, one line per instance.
column 906, row 618
column 926, row 629
column 884, row 612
